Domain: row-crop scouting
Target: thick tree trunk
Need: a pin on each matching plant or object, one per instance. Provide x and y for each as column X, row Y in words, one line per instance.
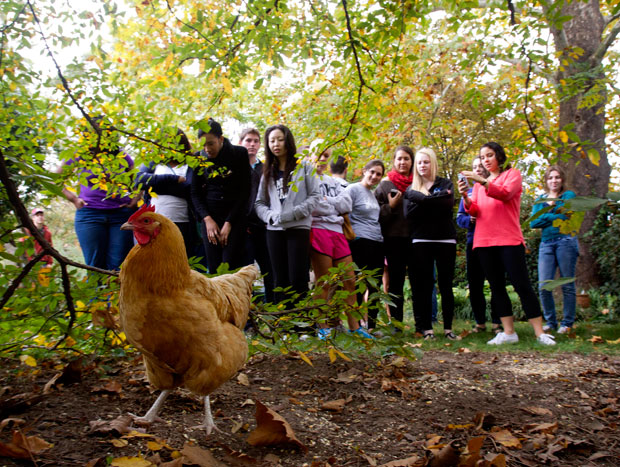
column 586, row 177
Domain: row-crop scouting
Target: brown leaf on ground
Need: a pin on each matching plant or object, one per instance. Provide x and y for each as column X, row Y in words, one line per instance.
column 413, row 461
column 111, row 387
column 272, row 429
column 243, row 379
column 596, row 340
column 71, row 373
column 546, row 428
column 11, row 422
column 336, row 405
column 236, row 457
column 119, row 426
column 447, row 457
column 347, row 376
column 19, row 403
column 537, row 410
column 405, row 388
column 23, row 447
column 475, row 444
column 484, row 421
column 495, row 460
column 199, row 456
column 506, row 438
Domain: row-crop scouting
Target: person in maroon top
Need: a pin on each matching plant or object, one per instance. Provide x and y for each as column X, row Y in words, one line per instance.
column 38, row 219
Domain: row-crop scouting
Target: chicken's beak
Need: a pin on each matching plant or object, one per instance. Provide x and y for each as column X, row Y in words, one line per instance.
column 127, row 226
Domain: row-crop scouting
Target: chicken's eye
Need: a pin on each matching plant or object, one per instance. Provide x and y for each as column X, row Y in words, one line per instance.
column 147, row 221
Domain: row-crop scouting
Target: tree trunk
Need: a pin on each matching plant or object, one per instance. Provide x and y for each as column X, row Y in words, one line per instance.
column 587, row 177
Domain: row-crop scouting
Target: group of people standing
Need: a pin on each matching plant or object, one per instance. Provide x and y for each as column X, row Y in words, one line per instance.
column 288, row 214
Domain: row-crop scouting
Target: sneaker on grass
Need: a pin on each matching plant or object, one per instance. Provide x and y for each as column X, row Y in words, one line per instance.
column 548, row 328
column 503, row 338
column 564, row 330
column 546, row 339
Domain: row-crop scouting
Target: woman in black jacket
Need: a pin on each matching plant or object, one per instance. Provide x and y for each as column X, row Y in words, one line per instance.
column 220, row 194
column 428, row 206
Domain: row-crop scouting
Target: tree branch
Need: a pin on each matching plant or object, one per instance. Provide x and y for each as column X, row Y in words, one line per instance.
column 606, row 43
column 352, row 42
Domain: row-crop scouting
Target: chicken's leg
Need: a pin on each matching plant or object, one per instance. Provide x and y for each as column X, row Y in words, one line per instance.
column 151, row 415
column 208, row 424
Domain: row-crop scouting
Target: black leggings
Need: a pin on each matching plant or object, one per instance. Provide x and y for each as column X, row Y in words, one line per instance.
column 234, row 251
column 397, row 251
column 289, row 252
column 424, row 255
column 368, row 254
column 475, row 280
column 499, row 261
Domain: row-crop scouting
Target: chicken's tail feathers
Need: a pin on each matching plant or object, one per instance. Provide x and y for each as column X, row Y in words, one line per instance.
column 249, row 273
column 232, row 294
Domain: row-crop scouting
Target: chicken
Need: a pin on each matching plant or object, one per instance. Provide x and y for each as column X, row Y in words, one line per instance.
column 187, row 326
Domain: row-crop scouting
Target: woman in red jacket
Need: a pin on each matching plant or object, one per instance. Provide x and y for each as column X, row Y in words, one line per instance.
column 498, row 240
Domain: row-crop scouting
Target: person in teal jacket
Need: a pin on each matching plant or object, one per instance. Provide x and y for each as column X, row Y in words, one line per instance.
column 557, row 250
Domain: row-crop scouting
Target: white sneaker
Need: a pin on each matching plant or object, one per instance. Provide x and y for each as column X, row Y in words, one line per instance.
column 503, row 338
column 546, row 339
column 564, row 330
column 548, row 328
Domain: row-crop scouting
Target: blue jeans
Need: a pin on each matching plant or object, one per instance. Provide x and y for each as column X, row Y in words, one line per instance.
column 553, row 254
column 104, row 245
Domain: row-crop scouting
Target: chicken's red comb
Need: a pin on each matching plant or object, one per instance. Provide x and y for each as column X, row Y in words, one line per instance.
column 141, row 211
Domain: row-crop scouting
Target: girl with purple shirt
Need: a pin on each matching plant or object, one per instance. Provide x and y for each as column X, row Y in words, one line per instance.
column 101, row 212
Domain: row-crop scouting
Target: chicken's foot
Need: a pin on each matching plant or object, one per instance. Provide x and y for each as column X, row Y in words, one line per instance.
column 151, row 415
column 208, row 425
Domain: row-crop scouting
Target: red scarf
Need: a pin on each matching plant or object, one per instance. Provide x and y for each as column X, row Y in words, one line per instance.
column 402, row 182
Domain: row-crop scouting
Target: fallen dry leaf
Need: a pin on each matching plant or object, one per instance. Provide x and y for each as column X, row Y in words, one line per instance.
column 537, row 410
column 119, row 426
column 23, row 447
column 243, row 379
column 547, row 428
column 130, row 462
column 464, row 350
column 506, row 438
column 496, row 460
column 272, row 429
column 582, row 394
column 202, row 457
column 11, row 422
column 111, row 387
column 449, row 455
column 348, row 376
column 413, row 461
column 336, row 405
column 596, row 340
column 475, row 444
column 433, row 442
column 452, row 427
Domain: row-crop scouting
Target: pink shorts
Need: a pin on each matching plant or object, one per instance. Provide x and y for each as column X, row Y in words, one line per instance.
column 330, row 243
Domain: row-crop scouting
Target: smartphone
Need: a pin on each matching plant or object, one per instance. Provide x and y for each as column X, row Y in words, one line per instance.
column 464, row 179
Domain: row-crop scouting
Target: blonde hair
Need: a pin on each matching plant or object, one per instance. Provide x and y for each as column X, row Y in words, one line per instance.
column 418, row 182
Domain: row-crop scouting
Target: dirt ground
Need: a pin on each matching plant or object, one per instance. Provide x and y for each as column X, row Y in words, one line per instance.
column 493, row 409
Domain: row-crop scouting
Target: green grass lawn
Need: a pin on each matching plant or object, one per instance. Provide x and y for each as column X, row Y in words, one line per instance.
column 582, row 340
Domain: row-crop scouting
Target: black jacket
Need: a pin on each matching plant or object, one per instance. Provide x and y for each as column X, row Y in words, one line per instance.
column 431, row 216
column 221, row 186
